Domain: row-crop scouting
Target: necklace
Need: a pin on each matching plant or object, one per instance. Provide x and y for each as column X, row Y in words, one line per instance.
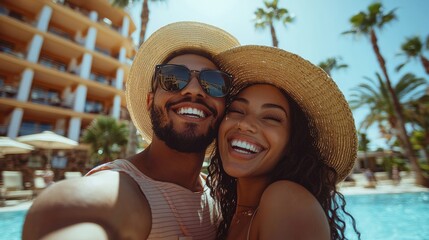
column 245, row 212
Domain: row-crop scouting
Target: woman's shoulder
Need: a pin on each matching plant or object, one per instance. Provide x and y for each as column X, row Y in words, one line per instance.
column 298, row 211
column 285, row 190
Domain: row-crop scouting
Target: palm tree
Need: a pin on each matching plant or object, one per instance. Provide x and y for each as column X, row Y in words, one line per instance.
column 417, row 112
column 413, row 48
column 332, row 63
column 144, row 16
column 266, row 18
column 363, row 146
column 106, row 136
column 366, row 24
column 375, row 95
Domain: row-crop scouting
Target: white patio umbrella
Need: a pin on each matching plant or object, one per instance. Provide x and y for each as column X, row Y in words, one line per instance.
column 48, row 140
column 10, row 146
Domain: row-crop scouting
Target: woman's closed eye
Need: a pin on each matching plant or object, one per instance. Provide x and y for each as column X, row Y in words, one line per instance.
column 235, row 111
column 274, row 118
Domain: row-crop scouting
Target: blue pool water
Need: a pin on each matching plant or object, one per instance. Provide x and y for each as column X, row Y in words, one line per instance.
column 379, row 217
column 391, row 216
column 11, row 225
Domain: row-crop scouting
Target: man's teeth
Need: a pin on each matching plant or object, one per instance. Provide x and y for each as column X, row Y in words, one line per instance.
column 244, row 147
column 192, row 112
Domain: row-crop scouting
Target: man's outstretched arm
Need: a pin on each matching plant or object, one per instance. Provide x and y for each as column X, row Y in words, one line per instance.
column 107, row 205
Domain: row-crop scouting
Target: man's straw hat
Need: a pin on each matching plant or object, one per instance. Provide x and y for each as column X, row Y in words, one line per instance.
column 168, row 41
column 331, row 120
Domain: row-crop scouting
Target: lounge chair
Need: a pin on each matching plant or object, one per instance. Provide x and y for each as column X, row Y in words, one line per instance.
column 13, row 186
column 71, row 175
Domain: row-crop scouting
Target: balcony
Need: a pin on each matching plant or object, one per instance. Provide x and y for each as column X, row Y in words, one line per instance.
column 103, row 51
column 45, row 100
column 32, row 127
column 94, row 107
column 108, row 23
column 51, row 63
column 8, row 91
column 48, row 97
column 101, row 78
column 8, row 48
column 17, row 15
column 3, row 129
column 60, row 32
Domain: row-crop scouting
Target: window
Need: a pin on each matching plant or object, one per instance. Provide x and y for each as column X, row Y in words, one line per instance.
column 30, row 127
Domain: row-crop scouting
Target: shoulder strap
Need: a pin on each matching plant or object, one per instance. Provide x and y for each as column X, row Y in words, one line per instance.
column 250, row 225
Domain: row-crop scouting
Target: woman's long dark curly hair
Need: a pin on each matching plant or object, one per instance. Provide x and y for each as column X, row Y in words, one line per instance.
column 302, row 164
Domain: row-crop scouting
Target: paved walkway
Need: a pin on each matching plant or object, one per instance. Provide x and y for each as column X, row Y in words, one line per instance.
column 384, row 185
column 16, row 205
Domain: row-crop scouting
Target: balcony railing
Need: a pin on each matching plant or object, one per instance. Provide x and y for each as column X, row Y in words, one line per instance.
column 45, row 100
column 100, row 78
column 46, row 61
column 9, row 50
column 60, row 33
column 18, row 16
column 94, row 107
column 103, row 51
column 8, row 91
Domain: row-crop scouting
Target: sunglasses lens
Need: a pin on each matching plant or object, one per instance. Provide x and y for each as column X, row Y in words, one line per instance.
column 215, row 83
column 172, row 77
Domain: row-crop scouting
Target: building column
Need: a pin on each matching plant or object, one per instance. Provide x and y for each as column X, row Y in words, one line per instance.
column 34, row 48
column 80, row 98
column 125, row 26
column 122, row 58
column 93, row 16
column 15, row 123
column 91, row 36
column 85, row 66
column 119, row 79
column 25, row 85
column 74, row 128
column 44, row 18
column 116, row 108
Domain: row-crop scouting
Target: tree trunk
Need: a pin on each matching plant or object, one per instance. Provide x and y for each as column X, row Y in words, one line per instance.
column 425, row 63
column 425, row 147
column 365, row 159
column 144, row 20
column 420, row 178
column 274, row 36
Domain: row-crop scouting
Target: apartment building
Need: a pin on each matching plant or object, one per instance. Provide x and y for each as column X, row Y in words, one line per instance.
column 62, row 64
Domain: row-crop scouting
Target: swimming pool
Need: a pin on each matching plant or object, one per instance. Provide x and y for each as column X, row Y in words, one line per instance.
column 379, row 217
column 11, row 224
column 391, row 216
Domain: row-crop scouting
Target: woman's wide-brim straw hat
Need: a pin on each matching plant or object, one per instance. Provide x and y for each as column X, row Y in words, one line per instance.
column 179, row 37
column 329, row 114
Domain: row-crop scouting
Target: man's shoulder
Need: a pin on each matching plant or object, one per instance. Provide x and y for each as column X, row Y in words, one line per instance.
column 99, row 189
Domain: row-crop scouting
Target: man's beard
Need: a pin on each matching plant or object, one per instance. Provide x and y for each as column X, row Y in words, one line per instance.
column 187, row 141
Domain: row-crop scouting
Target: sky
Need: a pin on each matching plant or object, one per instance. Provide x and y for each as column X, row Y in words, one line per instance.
column 314, row 35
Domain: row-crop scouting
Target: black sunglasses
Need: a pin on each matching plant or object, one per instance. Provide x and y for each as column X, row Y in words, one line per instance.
column 174, row 78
